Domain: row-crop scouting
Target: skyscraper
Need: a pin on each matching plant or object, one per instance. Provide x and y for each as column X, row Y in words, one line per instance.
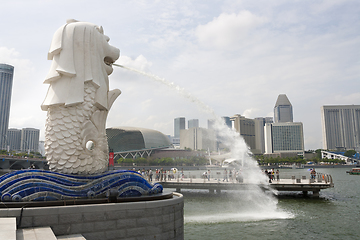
column 193, row 123
column 283, row 110
column 14, row 139
column 179, row 123
column 284, row 136
column 259, row 132
column 246, row 128
column 30, row 139
column 340, row 126
column 6, row 81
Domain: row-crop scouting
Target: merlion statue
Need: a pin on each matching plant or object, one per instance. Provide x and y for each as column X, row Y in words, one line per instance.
column 78, row 98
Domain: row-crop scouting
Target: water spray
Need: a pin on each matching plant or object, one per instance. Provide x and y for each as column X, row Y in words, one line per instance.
column 262, row 203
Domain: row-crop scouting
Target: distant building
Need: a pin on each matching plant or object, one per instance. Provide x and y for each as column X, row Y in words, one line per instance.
column 246, row 128
column 131, row 142
column 198, row 139
column 340, row 126
column 179, row 124
column 227, row 121
column 210, row 123
column 193, row 123
column 29, row 140
column 14, row 139
column 6, row 81
column 284, row 138
column 283, row 110
column 259, row 133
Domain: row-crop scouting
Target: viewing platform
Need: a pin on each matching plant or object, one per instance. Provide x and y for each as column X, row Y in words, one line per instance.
column 285, row 183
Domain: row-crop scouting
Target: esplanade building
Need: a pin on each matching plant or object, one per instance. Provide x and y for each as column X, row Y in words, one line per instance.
column 131, row 142
column 134, row 142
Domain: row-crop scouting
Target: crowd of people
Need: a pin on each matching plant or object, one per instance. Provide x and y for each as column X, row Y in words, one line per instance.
column 161, row 174
column 232, row 175
column 272, row 174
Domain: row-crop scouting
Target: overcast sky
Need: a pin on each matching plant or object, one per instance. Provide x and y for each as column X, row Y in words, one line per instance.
column 235, row 56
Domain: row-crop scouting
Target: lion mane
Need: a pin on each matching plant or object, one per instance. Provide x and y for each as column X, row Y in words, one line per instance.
column 78, row 51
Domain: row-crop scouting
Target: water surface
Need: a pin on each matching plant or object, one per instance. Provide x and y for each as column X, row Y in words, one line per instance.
column 334, row 215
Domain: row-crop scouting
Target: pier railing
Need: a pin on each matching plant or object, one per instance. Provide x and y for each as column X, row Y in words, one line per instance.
column 296, row 177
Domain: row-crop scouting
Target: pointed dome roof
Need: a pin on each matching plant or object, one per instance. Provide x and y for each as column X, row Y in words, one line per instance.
column 282, row 100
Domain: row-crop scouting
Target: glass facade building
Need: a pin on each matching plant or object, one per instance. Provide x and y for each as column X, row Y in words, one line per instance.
column 30, row 140
column 193, row 123
column 14, row 139
column 6, row 81
column 341, row 126
column 179, row 124
column 284, row 137
column 283, row 109
column 128, row 139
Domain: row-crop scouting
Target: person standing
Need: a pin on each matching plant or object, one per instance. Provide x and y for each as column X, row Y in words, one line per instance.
column 225, row 175
column 150, row 175
column 277, row 175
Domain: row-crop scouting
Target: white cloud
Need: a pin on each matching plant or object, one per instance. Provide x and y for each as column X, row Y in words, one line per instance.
column 228, row 30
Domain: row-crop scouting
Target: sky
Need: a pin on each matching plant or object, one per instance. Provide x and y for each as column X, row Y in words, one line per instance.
column 234, row 56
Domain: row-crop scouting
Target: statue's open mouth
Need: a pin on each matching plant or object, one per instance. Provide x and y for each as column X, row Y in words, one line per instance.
column 108, row 61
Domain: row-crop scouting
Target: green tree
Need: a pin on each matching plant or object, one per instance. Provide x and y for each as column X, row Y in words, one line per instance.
column 349, row 153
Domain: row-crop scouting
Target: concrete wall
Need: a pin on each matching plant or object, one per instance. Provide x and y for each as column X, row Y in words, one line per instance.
column 160, row 219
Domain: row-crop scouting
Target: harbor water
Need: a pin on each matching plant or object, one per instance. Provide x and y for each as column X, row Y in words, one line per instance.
column 234, row 215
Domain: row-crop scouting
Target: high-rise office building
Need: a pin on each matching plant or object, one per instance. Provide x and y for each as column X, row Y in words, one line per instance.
column 259, row 133
column 14, row 139
column 30, row 139
column 284, row 138
column 179, row 123
column 283, row 109
column 198, row 139
column 227, row 121
column 246, row 128
column 6, row 81
column 340, row 126
column 193, row 123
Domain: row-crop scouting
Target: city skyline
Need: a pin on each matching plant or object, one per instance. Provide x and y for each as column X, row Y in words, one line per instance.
column 234, row 56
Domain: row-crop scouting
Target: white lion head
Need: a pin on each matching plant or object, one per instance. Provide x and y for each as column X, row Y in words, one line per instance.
column 80, row 53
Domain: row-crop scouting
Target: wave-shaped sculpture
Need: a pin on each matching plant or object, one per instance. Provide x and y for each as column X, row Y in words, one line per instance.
column 42, row 185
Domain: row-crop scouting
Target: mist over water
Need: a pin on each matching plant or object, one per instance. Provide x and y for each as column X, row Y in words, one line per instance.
column 252, row 204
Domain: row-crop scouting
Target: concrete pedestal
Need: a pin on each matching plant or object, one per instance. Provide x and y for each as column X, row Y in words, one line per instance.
column 158, row 219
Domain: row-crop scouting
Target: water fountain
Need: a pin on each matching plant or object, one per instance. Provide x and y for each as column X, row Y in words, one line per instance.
column 256, row 204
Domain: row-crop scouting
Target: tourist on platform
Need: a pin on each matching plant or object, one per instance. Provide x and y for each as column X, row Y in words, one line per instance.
column 313, row 173
column 208, row 175
column 150, row 175
column 268, row 173
column 277, row 175
column 225, row 175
